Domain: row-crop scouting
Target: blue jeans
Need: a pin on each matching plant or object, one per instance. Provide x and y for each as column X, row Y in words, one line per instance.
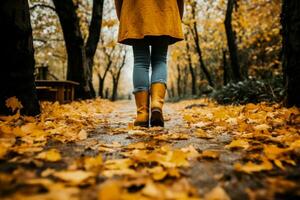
column 142, row 60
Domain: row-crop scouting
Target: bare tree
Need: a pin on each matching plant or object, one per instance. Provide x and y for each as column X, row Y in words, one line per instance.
column 116, row 70
column 195, row 33
column 231, row 41
column 93, row 39
column 191, row 67
column 103, row 69
column 179, row 78
column 80, row 55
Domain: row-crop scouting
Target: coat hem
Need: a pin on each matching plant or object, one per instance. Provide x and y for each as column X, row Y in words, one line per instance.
column 150, row 40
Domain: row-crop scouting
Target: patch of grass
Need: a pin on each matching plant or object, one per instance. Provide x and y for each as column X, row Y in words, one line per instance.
column 251, row 91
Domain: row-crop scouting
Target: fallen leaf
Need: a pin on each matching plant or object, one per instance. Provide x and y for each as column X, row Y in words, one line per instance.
column 82, row 135
column 52, row 155
column 152, row 190
column 13, row 103
column 239, row 143
column 188, row 118
column 251, row 167
column 76, row 177
column 110, row 190
column 158, row 173
column 273, row 152
column 209, row 154
column 262, row 127
column 200, row 133
column 218, row 193
column 138, row 145
column 93, row 163
column 190, row 151
column 5, row 145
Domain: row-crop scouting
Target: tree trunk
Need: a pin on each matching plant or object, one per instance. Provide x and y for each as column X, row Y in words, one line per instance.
column 226, row 74
column 101, row 87
column 192, row 70
column 116, row 79
column 80, row 56
column 107, row 93
column 77, row 64
column 198, row 48
column 93, row 39
column 178, row 81
column 291, row 50
column 115, row 90
column 171, row 91
column 102, row 78
column 185, row 81
column 17, row 57
column 231, row 42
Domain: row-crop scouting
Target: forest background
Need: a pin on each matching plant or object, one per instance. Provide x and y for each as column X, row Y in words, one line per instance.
column 226, row 42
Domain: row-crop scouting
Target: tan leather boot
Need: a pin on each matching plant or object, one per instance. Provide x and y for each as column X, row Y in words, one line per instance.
column 158, row 91
column 142, row 105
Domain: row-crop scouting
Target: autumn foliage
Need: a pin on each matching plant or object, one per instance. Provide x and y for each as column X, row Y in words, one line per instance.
column 61, row 151
column 237, row 141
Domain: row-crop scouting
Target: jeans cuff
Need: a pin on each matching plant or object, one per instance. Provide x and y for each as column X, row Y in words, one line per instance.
column 140, row 89
column 160, row 81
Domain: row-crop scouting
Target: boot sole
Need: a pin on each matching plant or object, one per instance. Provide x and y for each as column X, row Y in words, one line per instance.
column 142, row 124
column 157, row 118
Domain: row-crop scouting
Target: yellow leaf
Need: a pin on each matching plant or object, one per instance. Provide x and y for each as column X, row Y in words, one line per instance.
column 295, row 145
column 158, row 173
column 188, row 118
column 200, row 133
column 262, row 127
column 118, row 163
column 251, row 167
column 138, row 145
column 52, row 155
column 26, row 148
column 176, row 158
column 82, row 135
column 278, row 163
column 93, row 163
column 173, row 172
column 273, row 152
column 130, row 126
column 120, row 172
column 5, row 145
column 3, row 150
column 152, row 190
column 218, row 193
column 190, row 151
column 74, row 177
column 110, row 190
column 239, row 143
column 13, row 103
column 210, row 154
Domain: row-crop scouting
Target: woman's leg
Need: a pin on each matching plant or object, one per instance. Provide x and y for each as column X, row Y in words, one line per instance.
column 159, row 63
column 141, row 55
column 158, row 83
column 141, row 83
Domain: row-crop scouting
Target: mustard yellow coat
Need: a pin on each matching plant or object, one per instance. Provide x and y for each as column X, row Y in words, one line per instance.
column 143, row 19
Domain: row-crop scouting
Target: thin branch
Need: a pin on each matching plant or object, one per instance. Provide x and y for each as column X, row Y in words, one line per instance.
column 42, row 6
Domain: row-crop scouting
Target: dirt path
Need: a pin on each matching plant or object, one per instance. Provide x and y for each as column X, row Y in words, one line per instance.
column 212, row 174
column 205, row 174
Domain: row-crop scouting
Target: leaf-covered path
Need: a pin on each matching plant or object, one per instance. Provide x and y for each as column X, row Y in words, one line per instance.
column 90, row 150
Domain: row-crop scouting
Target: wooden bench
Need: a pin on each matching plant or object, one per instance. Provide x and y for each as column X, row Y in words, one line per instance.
column 61, row 91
